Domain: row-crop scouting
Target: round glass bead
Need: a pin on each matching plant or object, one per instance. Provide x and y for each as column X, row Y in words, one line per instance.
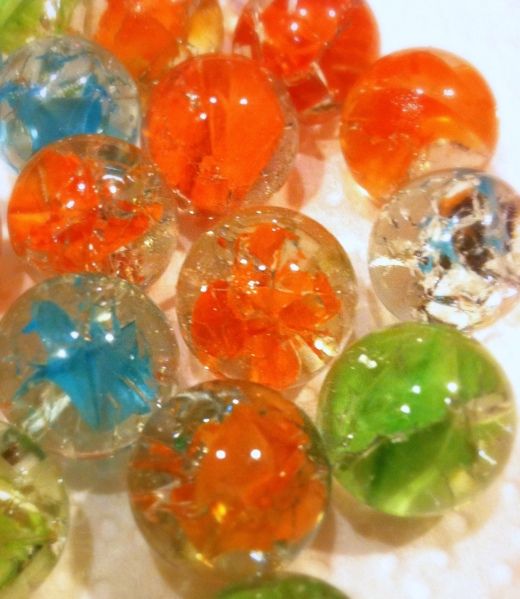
column 23, row 21
column 447, row 249
column 318, row 48
column 231, row 475
column 414, row 112
column 267, row 295
column 416, row 419
column 283, row 586
column 222, row 133
column 56, row 87
column 151, row 36
column 85, row 360
column 95, row 204
column 33, row 514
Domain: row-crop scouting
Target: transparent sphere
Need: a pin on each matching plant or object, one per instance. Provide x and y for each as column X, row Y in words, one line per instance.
column 21, row 22
column 283, row 586
column 267, row 295
column 414, row 112
column 318, row 48
column 417, row 419
column 231, row 475
column 152, row 36
column 85, row 360
column 56, row 87
column 447, row 249
column 93, row 203
column 33, row 514
column 222, row 132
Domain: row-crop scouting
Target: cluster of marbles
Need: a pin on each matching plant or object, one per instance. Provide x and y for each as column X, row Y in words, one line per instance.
column 318, row 48
column 151, row 36
column 56, row 87
column 447, row 249
column 84, row 360
column 285, row 586
column 267, row 295
column 414, row 112
column 93, row 204
column 231, row 475
column 222, row 132
column 417, row 419
column 23, row 21
column 33, row 514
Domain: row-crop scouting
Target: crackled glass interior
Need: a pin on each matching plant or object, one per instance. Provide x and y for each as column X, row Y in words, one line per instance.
column 56, row 87
column 447, row 249
column 222, row 132
column 96, row 204
column 229, row 474
column 33, row 514
column 84, row 360
column 417, row 419
column 267, row 295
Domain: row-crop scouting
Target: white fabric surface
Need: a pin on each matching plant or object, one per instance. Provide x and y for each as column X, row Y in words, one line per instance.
column 473, row 552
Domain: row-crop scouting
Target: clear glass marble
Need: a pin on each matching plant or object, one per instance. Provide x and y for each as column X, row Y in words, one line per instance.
column 231, row 475
column 92, row 203
column 84, row 361
column 60, row 86
column 447, row 249
column 33, row 514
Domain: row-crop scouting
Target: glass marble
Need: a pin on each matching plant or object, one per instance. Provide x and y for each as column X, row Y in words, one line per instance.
column 229, row 475
column 96, row 204
column 414, row 112
column 447, row 249
column 267, row 295
column 318, row 48
column 84, row 361
column 284, row 586
column 60, row 86
column 21, row 21
column 33, row 514
column 417, row 419
column 222, row 132
column 151, row 36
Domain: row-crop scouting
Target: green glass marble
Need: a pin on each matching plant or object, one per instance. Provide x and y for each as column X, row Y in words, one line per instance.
column 24, row 20
column 33, row 514
column 417, row 418
column 284, row 586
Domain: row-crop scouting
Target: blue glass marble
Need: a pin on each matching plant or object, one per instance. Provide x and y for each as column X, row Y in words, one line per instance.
column 84, row 360
column 61, row 86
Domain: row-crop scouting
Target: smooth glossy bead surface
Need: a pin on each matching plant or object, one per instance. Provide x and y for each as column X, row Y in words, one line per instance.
column 416, row 419
column 56, row 87
column 222, row 133
column 229, row 474
column 267, row 295
column 33, row 514
column 93, row 204
column 414, row 112
column 447, row 249
column 85, row 360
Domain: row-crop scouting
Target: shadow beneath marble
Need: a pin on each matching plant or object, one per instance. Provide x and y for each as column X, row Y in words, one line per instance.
column 376, row 526
column 80, row 548
column 103, row 476
column 325, row 540
column 189, row 581
column 12, row 272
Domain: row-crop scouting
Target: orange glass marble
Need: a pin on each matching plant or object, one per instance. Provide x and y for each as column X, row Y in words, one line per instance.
column 93, row 204
column 414, row 112
column 317, row 47
column 267, row 295
column 222, row 132
column 231, row 475
column 151, row 36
